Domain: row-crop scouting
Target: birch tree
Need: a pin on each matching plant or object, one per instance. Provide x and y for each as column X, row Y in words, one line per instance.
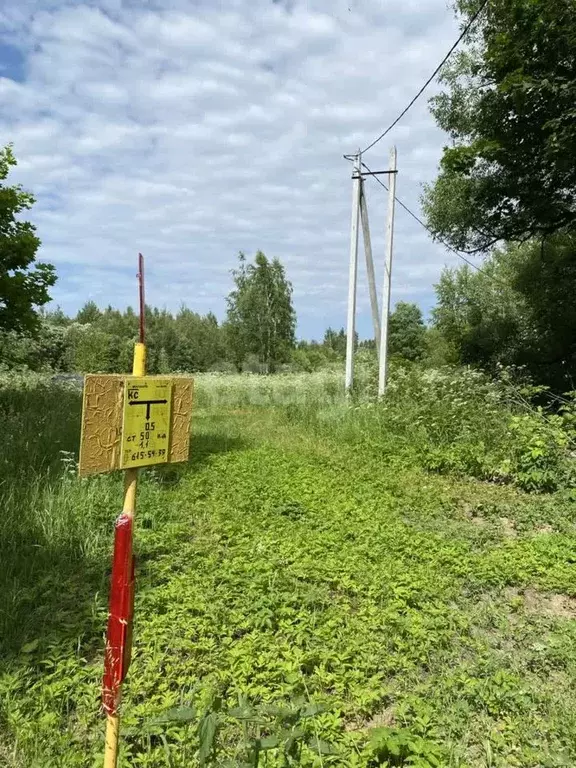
column 261, row 318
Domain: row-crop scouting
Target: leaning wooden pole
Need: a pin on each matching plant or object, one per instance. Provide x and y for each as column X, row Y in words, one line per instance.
column 370, row 266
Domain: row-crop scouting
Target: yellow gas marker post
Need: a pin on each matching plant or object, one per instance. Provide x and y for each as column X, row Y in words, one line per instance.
column 130, row 482
column 129, row 422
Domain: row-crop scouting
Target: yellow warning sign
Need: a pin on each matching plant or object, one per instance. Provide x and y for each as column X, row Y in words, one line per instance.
column 146, row 422
column 103, row 415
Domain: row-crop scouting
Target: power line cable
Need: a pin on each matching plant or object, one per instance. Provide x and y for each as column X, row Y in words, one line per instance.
column 430, row 232
column 423, row 224
column 465, row 31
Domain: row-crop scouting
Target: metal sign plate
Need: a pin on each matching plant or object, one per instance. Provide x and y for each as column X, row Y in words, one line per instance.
column 103, row 419
column 146, row 422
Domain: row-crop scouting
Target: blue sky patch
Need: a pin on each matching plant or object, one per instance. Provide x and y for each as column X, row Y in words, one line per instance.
column 12, row 62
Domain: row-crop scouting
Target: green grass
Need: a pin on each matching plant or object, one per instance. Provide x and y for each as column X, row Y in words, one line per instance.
column 304, row 584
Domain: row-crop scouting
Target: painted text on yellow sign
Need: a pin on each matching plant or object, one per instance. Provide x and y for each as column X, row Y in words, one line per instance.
column 146, row 422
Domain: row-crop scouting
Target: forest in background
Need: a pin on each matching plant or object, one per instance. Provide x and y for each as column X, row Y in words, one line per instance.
column 102, row 340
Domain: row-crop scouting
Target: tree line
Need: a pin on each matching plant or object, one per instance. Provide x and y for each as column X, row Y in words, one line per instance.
column 102, row 340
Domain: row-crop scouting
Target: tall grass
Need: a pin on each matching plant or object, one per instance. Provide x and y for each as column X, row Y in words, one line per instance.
column 237, row 391
column 455, row 420
column 449, row 420
column 55, row 529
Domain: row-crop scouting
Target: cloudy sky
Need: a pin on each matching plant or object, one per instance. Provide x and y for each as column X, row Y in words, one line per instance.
column 192, row 129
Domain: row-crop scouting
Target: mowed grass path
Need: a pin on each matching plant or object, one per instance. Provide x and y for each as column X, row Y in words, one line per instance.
column 392, row 616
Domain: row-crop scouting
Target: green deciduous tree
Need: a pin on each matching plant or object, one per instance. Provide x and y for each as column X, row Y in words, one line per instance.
column 24, row 282
column 312, row 356
column 261, row 319
column 519, row 310
column 200, row 342
column 47, row 350
column 55, row 316
column 480, row 313
column 407, row 331
column 336, row 341
column 89, row 313
column 510, row 110
column 439, row 351
column 93, row 350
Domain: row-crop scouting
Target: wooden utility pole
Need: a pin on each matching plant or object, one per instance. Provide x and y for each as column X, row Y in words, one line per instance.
column 383, row 365
column 370, row 266
column 353, row 273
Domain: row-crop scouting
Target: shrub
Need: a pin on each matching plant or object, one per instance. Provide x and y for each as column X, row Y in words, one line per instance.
column 537, row 452
column 454, row 419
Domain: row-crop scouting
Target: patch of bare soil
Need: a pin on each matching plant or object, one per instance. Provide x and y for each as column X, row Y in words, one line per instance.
column 508, row 528
column 546, row 604
column 379, row 720
column 544, row 529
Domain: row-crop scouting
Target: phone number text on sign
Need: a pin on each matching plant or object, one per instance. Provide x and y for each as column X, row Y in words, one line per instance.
column 146, row 422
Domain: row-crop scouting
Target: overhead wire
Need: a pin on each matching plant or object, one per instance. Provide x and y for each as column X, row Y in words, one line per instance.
column 427, row 228
column 403, row 205
column 465, row 31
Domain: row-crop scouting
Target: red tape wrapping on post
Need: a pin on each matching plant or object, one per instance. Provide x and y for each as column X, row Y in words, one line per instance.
column 119, row 632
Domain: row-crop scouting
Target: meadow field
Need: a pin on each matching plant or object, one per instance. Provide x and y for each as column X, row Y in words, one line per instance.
column 323, row 584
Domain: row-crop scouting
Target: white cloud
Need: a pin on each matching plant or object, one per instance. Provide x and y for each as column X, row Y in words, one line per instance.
column 189, row 130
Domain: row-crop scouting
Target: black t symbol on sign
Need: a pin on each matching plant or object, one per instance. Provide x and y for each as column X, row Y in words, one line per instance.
column 147, row 403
